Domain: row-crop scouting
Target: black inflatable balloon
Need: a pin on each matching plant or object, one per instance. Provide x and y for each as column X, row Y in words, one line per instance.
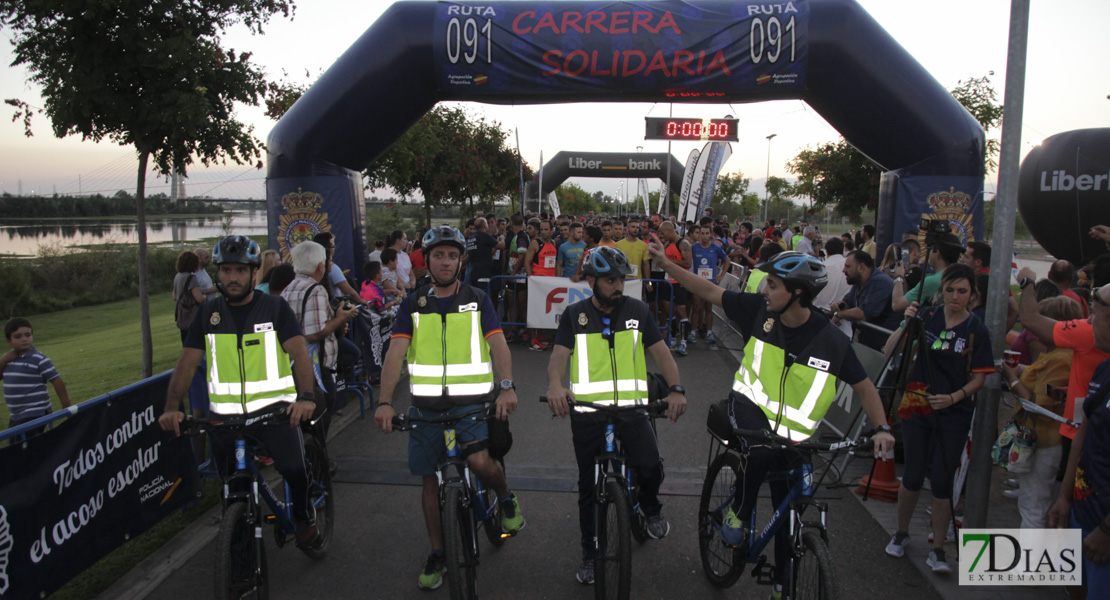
column 1064, row 190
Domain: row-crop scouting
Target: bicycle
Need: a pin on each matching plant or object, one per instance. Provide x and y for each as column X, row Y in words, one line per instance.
column 241, row 570
column 618, row 515
column 465, row 504
column 811, row 573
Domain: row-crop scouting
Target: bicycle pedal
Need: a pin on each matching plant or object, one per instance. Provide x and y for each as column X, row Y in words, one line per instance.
column 269, row 519
column 764, row 572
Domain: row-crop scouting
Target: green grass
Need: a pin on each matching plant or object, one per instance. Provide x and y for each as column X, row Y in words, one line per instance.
column 98, row 349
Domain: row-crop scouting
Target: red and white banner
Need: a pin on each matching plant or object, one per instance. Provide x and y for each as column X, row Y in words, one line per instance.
column 549, row 296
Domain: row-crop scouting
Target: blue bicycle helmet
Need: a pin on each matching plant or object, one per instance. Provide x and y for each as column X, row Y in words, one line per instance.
column 798, row 270
column 444, row 234
column 606, row 261
column 237, row 249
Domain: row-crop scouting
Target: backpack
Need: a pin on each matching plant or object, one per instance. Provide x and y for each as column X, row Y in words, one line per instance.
column 186, row 306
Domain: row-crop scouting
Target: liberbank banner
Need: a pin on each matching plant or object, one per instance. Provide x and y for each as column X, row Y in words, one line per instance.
column 75, row 493
column 686, row 49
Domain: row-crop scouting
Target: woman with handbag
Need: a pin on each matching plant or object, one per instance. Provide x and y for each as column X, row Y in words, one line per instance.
column 952, row 359
column 187, row 294
column 1037, row 473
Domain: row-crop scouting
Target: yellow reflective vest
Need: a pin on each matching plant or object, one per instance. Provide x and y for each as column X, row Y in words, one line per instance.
column 246, row 372
column 608, row 369
column 449, row 357
column 796, row 397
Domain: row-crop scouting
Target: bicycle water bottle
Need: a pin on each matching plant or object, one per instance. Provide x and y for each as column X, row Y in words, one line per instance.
column 241, row 455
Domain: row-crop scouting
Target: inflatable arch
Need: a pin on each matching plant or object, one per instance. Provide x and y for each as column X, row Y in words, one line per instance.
column 829, row 53
column 614, row 165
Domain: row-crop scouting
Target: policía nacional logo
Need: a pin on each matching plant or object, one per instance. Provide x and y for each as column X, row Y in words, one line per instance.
column 954, row 207
column 301, row 220
column 583, row 319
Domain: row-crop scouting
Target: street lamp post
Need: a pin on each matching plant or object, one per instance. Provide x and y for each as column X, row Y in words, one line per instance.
column 766, row 187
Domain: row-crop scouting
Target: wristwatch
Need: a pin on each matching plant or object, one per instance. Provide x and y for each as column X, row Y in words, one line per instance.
column 306, row 397
column 884, row 429
column 507, row 384
column 678, row 389
column 1025, row 282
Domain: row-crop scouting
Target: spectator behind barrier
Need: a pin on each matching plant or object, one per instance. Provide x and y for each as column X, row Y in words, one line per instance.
column 1038, row 484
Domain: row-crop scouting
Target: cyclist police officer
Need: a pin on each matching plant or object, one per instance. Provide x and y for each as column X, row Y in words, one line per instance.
column 241, row 333
column 450, row 333
column 604, row 339
column 793, row 357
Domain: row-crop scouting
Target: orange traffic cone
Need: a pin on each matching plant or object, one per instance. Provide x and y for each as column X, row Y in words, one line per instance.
column 881, row 484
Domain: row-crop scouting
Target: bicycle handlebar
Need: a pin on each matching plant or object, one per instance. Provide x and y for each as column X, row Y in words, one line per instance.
column 656, row 409
column 483, row 412
column 779, row 442
column 192, row 426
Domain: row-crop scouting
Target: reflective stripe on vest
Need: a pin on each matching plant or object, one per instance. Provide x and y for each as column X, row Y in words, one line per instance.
column 591, row 369
column 808, row 392
column 460, row 369
column 244, row 381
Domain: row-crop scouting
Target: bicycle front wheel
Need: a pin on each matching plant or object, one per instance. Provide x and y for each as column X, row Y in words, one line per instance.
column 319, row 495
column 814, row 576
column 721, row 563
column 458, row 539
column 613, row 563
column 240, row 557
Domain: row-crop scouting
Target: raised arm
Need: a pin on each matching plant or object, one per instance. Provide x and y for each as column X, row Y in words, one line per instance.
column 1031, row 317
column 694, row 284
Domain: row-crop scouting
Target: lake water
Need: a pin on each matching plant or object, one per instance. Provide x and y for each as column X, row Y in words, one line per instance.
column 23, row 238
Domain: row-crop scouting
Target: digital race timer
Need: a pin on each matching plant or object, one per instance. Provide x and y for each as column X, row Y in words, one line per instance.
column 713, row 130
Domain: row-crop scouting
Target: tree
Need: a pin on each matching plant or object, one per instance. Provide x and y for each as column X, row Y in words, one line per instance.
column 152, row 74
column 979, row 98
column 574, row 200
column 838, row 175
column 450, row 159
column 732, row 198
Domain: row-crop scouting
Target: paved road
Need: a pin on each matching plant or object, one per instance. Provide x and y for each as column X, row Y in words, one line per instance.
column 380, row 544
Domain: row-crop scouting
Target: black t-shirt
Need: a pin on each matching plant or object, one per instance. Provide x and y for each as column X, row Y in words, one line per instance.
column 741, row 308
column 480, row 249
column 629, row 309
column 286, row 327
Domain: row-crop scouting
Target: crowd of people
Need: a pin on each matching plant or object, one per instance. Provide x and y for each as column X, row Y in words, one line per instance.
column 804, row 297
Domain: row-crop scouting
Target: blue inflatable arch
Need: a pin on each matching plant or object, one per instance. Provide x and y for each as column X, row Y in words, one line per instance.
column 829, row 53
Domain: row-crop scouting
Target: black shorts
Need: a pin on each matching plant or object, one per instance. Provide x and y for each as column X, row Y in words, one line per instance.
column 681, row 296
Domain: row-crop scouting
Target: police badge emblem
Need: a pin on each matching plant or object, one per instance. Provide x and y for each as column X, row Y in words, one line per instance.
column 768, row 325
column 422, row 301
column 583, row 319
column 214, row 319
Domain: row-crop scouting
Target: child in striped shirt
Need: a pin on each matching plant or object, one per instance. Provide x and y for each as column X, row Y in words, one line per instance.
column 25, row 372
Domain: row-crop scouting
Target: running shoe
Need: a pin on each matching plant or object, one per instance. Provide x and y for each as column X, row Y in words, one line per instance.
column 308, row 535
column 712, row 339
column 691, row 337
column 511, row 519
column 536, row 345
column 658, row 527
column 585, row 573
column 733, row 531
column 898, row 543
column 937, row 561
column 681, row 350
column 431, row 576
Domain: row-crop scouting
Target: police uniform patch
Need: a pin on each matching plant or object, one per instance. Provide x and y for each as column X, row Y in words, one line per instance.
column 583, row 319
column 214, row 319
column 768, row 325
column 422, row 301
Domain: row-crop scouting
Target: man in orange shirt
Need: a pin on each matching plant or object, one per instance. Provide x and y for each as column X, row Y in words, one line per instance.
column 679, row 251
column 1076, row 334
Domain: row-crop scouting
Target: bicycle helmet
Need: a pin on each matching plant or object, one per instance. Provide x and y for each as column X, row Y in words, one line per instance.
column 798, row 270
column 606, row 261
column 237, row 249
column 445, row 234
